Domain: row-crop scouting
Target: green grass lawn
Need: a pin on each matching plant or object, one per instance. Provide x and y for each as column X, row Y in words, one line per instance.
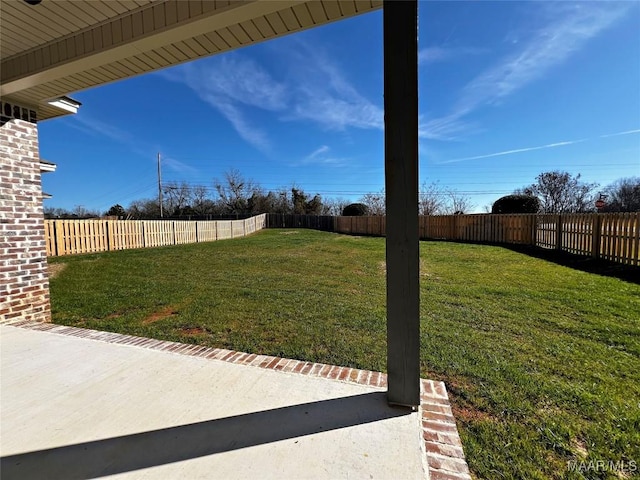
column 542, row 362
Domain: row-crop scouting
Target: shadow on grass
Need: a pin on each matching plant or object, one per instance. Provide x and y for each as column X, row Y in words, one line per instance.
column 159, row 447
column 628, row 273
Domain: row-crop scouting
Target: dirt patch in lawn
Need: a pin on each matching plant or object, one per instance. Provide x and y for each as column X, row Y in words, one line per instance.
column 55, row 269
column 165, row 312
column 579, row 447
column 192, row 331
column 468, row 413
column 463, row 409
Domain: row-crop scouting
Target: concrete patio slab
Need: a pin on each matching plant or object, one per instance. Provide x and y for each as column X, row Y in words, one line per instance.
column 78, row 403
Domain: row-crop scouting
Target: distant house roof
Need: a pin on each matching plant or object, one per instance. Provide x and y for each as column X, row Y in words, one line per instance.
column 46, row 166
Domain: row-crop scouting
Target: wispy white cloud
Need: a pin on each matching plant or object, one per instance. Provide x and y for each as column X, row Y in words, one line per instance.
column 98, row 127
column 325, row 96
column 313, row 89
column 178, row 165
column 318, row 151
column 517, row 150
column 446, row 128
column 95, row 127
column 249, row 132
column 242, row 80
column 335, row 113
column 233, row 85
column 437, row 54
column 540, row 147
column 568, row 28
column 628, row 132
column 321, row 156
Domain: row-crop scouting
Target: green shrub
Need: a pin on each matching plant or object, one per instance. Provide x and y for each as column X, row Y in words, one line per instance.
column 355, row 210
column 516, row 204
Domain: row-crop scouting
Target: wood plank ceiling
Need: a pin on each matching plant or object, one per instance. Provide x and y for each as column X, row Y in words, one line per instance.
column 63, row 46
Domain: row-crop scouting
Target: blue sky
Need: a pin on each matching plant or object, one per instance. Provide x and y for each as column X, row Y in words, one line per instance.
column 507, row 90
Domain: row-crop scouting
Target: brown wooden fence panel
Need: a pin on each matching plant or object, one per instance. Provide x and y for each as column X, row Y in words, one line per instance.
column 158, row 233
column 50, row 238
column 65, row 237
column 373, row 225
column 237, row 228
column 207, row 231
column 343, row 224
column 611, row 236
column 577, row 232
column 125, row 234
column 325, row 223
column 224, row 229
column 620, row 237
column 185, row 232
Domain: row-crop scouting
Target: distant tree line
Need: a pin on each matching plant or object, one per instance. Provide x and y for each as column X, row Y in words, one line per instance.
column 552, row 192
column 560, row 192
column 236, row 195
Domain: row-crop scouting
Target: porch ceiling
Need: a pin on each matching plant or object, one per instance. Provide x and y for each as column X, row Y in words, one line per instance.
column 63, row 46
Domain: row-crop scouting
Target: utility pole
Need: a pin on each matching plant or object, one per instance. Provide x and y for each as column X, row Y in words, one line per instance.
column 160, row 185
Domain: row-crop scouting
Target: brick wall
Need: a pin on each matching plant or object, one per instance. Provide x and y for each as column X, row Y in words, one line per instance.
column 24, row 283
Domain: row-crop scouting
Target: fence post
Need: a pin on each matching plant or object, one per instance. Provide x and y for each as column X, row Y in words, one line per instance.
column 559, row 233
column 107, row 235
column 59, row 237
column 595, row 235
column 173, row 227
column 533, row 230
column 456, row 226
column 53, row 232
column 144, row 235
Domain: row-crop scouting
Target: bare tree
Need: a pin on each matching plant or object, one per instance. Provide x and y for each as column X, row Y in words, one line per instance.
column 283, row 202
column 79, row 211
column 431, row 199
column 177, row 197
column 623, row 195
column 457, row 203
column 375, row 202
column 56, row 212
column 235, row 190
column 560, row 192
column 334, row 206
column 144, row 208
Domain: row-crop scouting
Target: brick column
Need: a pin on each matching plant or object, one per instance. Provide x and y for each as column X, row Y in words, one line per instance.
column 24, row 282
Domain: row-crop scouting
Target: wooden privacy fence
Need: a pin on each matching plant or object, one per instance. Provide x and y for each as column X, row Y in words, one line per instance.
column 67, row 237
column 610, row 236
column 478, row 228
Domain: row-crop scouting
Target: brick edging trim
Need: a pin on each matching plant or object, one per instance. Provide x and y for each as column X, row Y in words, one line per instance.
column 443, row 447
column 443, row 456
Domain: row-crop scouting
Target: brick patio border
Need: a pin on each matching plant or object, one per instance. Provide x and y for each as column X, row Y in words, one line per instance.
column 443, row 456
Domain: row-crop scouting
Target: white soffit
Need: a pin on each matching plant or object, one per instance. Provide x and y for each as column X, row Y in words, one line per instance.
column 59, row 47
